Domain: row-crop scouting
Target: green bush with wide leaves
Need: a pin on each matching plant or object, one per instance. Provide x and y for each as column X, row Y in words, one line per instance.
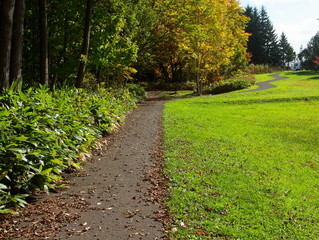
column 43, row 133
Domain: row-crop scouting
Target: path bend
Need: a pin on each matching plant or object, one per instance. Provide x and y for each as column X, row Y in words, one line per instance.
column 267, row 84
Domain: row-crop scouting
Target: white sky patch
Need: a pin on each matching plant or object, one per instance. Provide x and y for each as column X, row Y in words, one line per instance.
column 272, row 2
column 298, row 34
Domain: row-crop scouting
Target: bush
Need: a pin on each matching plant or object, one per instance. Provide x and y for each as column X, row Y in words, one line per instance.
column 137, row 91
column 43, row 133
column 259, row 69
column 230, row 85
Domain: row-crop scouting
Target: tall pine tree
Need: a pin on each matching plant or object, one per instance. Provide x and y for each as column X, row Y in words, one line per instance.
column 254, row 45
column 287, row 53
column 263, row 43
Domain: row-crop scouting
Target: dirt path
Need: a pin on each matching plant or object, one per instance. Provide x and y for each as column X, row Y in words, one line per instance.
column 266, row 85
column 117, row 186
column 117, row 196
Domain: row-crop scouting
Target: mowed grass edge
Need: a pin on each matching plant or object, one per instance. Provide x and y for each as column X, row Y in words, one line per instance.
column 243, row 167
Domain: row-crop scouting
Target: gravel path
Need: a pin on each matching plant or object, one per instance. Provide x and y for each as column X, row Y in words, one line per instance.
column 118, row 185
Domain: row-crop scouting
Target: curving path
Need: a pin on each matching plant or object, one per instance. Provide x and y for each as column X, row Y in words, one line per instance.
column 267, row 84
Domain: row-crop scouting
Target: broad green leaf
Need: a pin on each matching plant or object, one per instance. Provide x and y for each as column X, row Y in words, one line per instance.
column 23, row 96
column 46, row 171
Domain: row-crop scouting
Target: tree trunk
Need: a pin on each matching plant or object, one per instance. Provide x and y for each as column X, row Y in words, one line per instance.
column 6, row 20
column 43, row 30
column 86, row 43
column 17, row 42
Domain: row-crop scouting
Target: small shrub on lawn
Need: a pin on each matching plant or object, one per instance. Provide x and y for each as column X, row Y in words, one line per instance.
column 241, row 82
column 42, row 133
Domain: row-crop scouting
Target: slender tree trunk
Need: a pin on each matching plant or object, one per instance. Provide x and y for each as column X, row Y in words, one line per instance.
column 6, row 20
column 17, row 42
column 199, row 92
column 86, row 43
column 43, row 29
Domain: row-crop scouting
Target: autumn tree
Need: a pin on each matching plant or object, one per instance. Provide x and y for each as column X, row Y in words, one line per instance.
column 208, row 32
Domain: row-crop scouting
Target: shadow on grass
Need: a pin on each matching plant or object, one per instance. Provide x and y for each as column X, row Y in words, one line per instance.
column 303, row 73
column 169, row 95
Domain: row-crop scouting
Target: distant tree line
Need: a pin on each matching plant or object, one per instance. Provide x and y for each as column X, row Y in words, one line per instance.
column 263, row 44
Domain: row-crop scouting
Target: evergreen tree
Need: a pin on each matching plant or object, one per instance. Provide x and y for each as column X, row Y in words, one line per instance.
column 287, row 53
column 254, row 45
column 263, row 43
column 270, row 42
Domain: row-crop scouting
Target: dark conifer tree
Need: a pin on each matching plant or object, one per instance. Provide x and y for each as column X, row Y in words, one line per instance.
column 287, row 53
column 263, row 43
column 254, row 45
column 271, row 54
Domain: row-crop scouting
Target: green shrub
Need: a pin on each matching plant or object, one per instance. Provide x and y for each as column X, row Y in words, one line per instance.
column 230, row 85
column 137, row 91
column 42, row 133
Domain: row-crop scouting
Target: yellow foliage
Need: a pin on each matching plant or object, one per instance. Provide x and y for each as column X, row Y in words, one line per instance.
column 208, row 32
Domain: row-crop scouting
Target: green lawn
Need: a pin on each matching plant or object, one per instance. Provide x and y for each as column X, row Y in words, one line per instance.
column 245, row 165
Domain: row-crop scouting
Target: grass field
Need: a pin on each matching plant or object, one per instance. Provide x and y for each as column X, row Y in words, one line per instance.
column 245, row 165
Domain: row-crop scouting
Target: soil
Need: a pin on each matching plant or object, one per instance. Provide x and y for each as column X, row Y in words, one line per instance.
column 118, row 195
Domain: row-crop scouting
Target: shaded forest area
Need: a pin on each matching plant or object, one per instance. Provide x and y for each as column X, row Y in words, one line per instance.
column 58, row 43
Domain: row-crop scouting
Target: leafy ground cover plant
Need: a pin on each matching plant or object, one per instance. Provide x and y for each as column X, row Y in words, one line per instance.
column 42, row 133
column 243, row 167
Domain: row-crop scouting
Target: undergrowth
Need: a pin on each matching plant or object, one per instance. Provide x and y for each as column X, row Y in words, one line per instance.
column 43, row 133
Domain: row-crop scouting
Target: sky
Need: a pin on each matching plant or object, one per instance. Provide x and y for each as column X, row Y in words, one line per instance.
column 296, row 18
